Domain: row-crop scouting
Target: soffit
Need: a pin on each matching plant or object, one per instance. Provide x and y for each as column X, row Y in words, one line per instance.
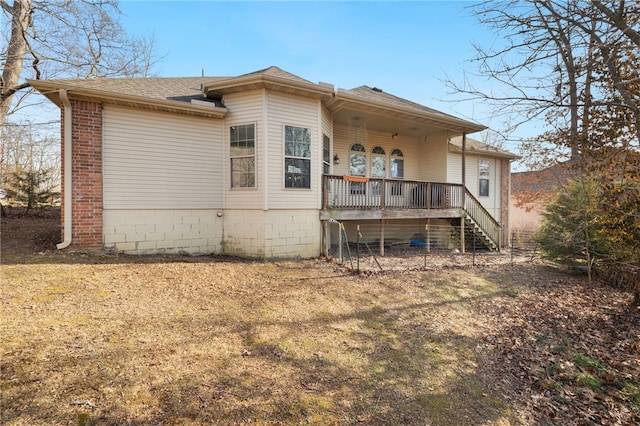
column 384, row 112
column 78, row 91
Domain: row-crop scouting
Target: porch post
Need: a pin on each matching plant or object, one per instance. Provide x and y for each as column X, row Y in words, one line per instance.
column 464, row 166
column 324, row 242
column 464, row 189
column 381, row 237
column 462, row 224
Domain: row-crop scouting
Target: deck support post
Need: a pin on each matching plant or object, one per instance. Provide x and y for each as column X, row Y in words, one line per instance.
column 325, row 238
column 428, row 242
column 381, row 237
column 462, row 223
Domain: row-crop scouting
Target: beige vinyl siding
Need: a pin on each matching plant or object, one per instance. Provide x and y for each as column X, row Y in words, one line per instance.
column 341, row 145
column 245, row 108
column 155, row 160
column 454, row 168
column 292, row 111
column 433, row 162
column 410, row 147
column 326, row 124
column 492, row 202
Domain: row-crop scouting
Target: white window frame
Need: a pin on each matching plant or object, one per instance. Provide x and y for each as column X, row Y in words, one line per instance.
column 326, row 150
column 304, row 156
column 393, row 158
column 244, row 156
column 484, row 178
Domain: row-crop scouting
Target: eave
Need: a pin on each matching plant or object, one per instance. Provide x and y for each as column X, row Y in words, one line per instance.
column 489, row 152
column 51, row 91
column 343, row 100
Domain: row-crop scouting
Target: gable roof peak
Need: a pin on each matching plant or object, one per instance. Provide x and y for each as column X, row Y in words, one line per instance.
column 275, row 71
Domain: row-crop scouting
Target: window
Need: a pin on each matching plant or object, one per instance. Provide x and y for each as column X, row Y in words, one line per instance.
column 297, row 157
column 397, row 171
column 378, row 163
column 483, row 178
column 243, row 156
column 378, row 168
column 326, row 154
column 357, row 160
column 357, row 167
column 397, row 164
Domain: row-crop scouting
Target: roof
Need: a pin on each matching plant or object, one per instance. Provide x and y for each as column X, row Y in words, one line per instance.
column 544, row 181
column 473, row 146
column 176, row 88
column 278, row 72
column 190, row 95
column 174, row 94
column 377, row 95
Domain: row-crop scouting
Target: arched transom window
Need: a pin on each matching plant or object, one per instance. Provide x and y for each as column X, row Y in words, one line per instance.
column 378, row 163
column 357, row 160
column 397, row 164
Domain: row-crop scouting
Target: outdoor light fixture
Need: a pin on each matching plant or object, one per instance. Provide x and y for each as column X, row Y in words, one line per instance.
column 394, row 136
column 336, row 159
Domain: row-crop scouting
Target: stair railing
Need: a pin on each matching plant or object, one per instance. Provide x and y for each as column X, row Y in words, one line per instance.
column 478, row 214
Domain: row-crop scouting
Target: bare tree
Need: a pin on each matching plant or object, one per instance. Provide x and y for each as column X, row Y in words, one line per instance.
column 576, row 65
column 61, row 38
column 561, row 61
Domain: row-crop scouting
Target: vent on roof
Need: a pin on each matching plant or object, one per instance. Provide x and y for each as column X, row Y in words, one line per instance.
column 209, row 101
column 375, row 89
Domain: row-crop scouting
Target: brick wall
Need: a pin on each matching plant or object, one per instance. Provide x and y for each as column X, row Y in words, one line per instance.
column 86, row 170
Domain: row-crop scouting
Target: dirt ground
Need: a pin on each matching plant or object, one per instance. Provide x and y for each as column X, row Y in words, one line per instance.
column 95, row 339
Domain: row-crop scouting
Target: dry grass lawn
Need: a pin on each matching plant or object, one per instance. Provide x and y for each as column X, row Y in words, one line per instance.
column 93, row 339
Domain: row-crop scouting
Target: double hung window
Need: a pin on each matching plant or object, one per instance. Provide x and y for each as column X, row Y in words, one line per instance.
column 326, row 154
column 243, row 156
column 297, row 157
column 483, row 178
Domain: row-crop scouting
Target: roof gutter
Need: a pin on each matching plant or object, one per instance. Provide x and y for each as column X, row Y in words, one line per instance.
column 48, row 88
column 66, row 242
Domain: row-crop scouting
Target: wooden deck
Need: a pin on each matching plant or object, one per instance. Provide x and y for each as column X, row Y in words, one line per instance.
column 350, row 197
column 362, row 198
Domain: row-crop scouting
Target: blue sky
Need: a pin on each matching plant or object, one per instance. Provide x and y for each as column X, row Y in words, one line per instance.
column 405, row 48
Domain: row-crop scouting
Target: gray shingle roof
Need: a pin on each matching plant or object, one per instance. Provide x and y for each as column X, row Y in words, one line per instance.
column 278, row 72
column 185, row 89
column 173, row 88
column 374, row 94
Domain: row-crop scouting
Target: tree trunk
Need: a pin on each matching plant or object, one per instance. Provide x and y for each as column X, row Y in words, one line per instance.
column 20, row 14
column 636, row 295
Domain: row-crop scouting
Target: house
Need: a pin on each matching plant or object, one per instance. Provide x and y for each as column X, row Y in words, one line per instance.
column 266, row 165
column 531, row 191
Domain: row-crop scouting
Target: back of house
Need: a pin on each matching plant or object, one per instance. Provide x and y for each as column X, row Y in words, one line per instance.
column 267, row 165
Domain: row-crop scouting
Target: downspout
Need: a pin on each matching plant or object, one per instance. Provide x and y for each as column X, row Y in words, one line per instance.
column 66, row 242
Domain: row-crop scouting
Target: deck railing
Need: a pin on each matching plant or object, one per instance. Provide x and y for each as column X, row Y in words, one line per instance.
column 354, row 192
column 487, row 223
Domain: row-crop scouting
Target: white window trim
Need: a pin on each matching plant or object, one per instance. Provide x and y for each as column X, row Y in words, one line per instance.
column 255, row 156
column 285, row 156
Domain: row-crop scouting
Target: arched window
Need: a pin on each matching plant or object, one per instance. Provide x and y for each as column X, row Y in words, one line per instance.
column 358, row 160
column 378, row 163
column 397, row 164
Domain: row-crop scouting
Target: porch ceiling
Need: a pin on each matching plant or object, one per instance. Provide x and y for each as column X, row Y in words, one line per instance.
column 404, row 126
column 386, row 113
